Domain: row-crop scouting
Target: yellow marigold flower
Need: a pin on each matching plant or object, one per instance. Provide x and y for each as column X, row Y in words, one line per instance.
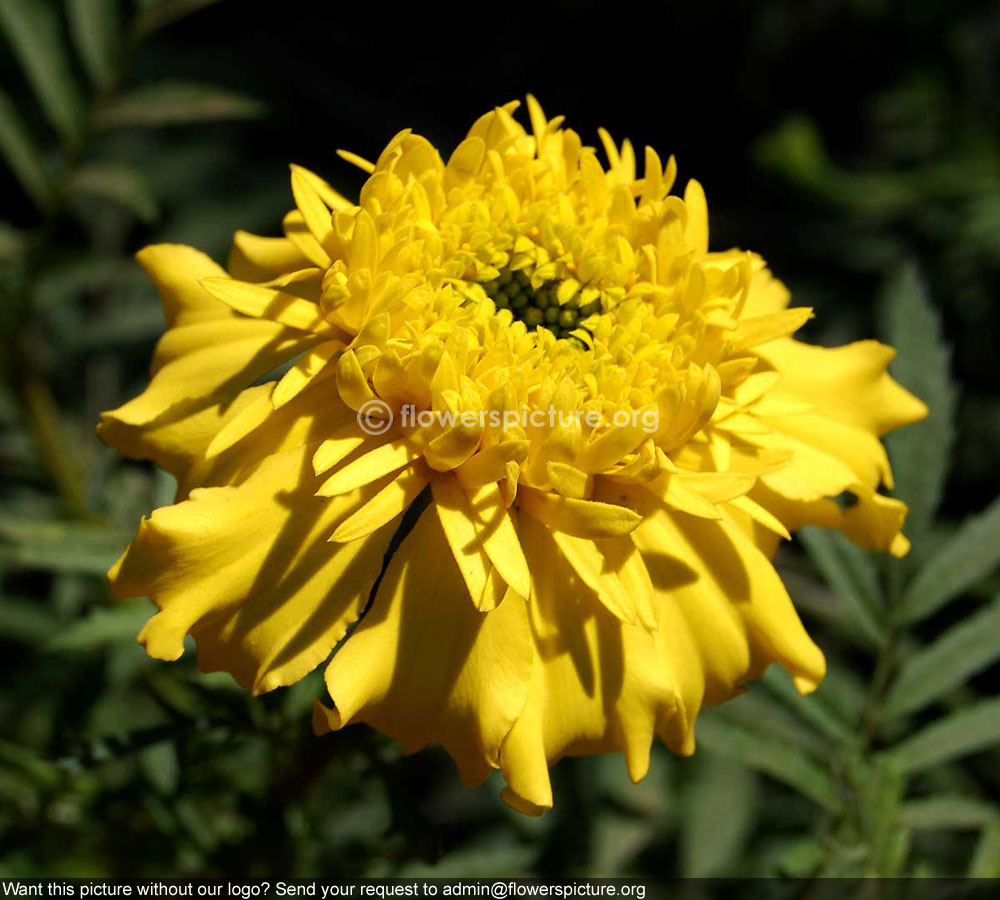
column 601, row 429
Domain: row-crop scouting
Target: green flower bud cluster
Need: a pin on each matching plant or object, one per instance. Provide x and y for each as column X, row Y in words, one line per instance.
column 538, row 306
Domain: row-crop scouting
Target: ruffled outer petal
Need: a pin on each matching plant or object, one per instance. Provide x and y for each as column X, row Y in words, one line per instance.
column 249, row 572
column 853, row 402
column 207, row 356
column 601, row 685
column 597, row 685
column 426, row 666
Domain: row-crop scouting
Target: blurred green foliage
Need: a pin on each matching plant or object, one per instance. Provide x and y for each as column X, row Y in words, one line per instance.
column 113, row 764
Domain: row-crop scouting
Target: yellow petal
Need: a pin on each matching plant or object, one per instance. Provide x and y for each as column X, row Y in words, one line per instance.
column 380, row 461
column 496, row 532
column 696, row 232
column 580, row 518
column 385, row 506
column 340, row 445
column 315, row 213
column 569, row 480
column 724, row 613
column 875, row 522
column 757, row 512
column 299, row 234
column 425, row 666
column 451, row 505
column 597, row 685
column 304, row 371
column 848, row 383
column 255, row 258
column 251, row 417
column 614, row 571
column 208, row 355
column 248, row 571
column 764, row 329
column 352, row 383
column 608, row 449
column 269, row 303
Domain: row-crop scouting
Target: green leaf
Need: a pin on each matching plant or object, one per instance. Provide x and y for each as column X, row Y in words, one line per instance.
column 719, row 813
column 971, row 554
column 25, row 620
column 159, row 14
column 986, row 859
column 60, row 546
column 881, row 798
column 779, row 760
column 160, row 766
column 118, row 184
column 920, row 453
column 25, row 159
column 812, row 709
column 94, row 25
column 177, row 103
column 963, row 650
column 760, row 713
column 948, row 812
column 969, row 730
column 101, row 627
column 36, row 39
column 852, row 576
column 29, row 762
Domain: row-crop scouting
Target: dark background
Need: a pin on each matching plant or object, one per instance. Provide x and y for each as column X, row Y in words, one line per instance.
column 841, row 140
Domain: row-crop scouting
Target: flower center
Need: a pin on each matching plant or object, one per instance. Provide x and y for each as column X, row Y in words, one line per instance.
column 549, row 305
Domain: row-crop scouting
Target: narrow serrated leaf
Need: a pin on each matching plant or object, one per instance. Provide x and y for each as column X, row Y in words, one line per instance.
column 781, row 761
column 17, row 146
column 177, row 103
column 852, row 576
column 94, row 25
column 971, row 554
column 963, row 650
column 920, row 453
column 35, row 36
column 967, row 731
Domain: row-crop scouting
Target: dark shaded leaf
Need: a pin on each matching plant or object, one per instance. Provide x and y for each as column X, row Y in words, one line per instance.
column 920, row 453
column 118, row 184
column 811, row 709
column 25, row 159
column 177, row 103
column 160, row 13
column 95, row 28
column 60, row 546
column 986, row 860
column 719, row 813
column 779, row 760
column 970, row 555
column 35, row 36
column 101, row 627
column 851, row 574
